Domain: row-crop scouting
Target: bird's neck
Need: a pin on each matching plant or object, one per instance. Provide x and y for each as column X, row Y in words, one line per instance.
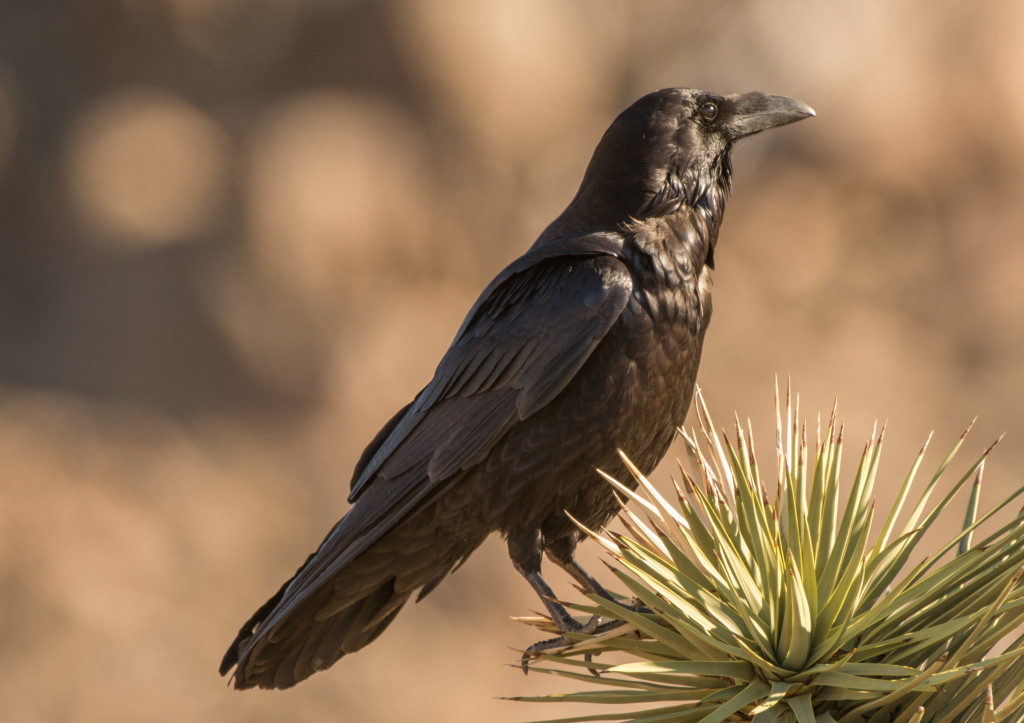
column 679, row 224
column 689, row 200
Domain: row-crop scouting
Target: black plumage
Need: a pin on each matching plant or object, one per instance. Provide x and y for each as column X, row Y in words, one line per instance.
column 587, row 344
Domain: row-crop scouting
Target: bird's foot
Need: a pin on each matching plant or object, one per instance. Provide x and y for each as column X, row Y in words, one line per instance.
column 570, row 625
column 566, row 625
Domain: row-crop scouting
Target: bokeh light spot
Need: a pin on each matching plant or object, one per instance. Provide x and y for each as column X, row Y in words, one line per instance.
column 146, row 168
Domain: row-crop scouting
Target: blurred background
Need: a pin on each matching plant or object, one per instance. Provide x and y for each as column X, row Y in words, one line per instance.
column 237, row 235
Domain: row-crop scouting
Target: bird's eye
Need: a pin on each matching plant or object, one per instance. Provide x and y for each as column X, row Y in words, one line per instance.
column 708, row 111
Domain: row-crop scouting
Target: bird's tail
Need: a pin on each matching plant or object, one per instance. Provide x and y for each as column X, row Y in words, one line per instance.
column 299, row 631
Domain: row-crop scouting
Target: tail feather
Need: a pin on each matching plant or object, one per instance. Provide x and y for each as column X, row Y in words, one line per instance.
column 230, row 658
column 294, row 635
column 305, row 642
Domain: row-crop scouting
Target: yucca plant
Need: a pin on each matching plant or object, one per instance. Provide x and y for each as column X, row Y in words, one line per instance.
column 766, row 607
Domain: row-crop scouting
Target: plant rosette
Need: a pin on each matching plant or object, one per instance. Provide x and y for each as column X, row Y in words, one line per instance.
column 746, row 607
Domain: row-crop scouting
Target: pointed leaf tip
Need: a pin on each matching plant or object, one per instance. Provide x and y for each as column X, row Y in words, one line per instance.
column 993, row 445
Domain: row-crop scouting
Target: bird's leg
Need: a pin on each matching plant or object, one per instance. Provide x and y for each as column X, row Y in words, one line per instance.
column 526, row 547
column 562, row 552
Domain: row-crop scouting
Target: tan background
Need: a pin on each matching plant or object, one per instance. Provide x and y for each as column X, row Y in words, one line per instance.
column 236, row 235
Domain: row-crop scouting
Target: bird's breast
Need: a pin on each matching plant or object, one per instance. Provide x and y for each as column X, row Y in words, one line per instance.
column 667, row 257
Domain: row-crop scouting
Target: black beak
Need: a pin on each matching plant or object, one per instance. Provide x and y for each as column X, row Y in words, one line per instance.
column 756, row 112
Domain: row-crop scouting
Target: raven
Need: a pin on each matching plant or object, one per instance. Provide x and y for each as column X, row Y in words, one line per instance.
column 587, row 344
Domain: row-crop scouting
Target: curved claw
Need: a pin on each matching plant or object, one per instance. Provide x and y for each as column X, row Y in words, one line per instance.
column 538, row 648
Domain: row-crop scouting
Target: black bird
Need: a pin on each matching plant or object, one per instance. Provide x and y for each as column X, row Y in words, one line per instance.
column 587, row 344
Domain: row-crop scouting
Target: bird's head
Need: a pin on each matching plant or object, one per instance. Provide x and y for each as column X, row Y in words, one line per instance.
column 671, row 145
